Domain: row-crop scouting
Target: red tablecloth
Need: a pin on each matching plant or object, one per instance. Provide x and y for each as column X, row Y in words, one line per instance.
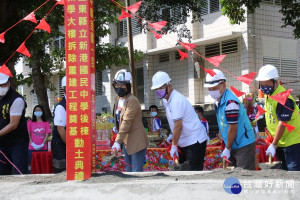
column 42, row 163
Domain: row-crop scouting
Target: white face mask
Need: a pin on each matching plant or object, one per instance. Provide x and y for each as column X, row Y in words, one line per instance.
column 3, row 90
column 215, row 94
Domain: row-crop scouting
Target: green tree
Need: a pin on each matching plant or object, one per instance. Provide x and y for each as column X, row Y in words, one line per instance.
column 237, row 11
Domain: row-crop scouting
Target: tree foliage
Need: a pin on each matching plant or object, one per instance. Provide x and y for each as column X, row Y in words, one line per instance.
column 236, row 11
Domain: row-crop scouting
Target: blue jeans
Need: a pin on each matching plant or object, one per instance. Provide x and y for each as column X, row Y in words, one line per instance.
column 18, row 155
column 134, row 162
column 290, row 157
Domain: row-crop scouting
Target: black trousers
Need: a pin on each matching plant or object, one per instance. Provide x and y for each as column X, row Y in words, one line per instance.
column 59, row 156
column 194, row 154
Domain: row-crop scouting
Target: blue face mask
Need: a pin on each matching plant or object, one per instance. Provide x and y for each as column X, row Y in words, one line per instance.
column 153, row 114
column 38, row 113
column 267, row 89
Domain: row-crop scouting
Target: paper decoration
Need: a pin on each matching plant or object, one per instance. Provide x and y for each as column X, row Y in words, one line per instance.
column 260, row 111
column 247, row 78
column 43, row 25
column 133, row 8
column 31, row 17
column 290, row 128
column 4, row 70
column 183, row 55
column 210, row 72
column 236, row 91
column 60, row 2
column 124, row 14
column 158, row 25
column 23, row 50
column 188, row 46
column 216, row 60
column 2, row 39
column 156, row 35
column 282, row 96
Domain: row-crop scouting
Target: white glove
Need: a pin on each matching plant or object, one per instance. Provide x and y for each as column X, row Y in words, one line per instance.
column 39, row 147
column 34, row 145
column 226, row 153
column 174, row 151
column 170, row 138
column 116, row 146
column 271, row 149
column 207, row 140
column 115, row 130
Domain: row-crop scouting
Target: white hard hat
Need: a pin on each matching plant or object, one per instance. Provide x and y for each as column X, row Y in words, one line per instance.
column 267, row 72
column 159, row 79
column 123, row 77
column 3, row 78
column 63, row 82
column 212, row 81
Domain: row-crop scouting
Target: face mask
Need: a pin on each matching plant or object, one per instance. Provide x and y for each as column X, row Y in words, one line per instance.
column 38, row 113
column 153, row 114
column 121, row 92
column 267, row 89
column 161, row 93
column 215, row 94
column 3, row 90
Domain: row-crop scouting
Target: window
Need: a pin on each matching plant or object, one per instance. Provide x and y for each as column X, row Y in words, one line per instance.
column 122, row 28
column 59, row 42
column 139, row 77
column 164, row 57
column 277, row 2
column 225, row 47
column 60, row 90
column 210, row 6
column 99, row 89
column 285, row 67
column 212, row 50
column 229, row 46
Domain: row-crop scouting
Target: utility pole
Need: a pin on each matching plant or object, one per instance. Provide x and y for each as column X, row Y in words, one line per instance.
column 130, row 47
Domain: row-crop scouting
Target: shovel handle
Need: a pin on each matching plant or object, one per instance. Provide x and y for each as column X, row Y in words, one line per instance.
column 270, row 158
column 114, row 151
column 224, row 163
column 176, row 160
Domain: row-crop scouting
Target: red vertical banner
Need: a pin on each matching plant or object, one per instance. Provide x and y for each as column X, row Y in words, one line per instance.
column 80, row 95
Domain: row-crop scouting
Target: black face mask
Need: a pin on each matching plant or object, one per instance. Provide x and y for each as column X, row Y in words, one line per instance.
column 121, row 92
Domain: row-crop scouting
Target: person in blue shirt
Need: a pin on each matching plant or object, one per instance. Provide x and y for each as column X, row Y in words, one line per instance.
column 233, row 122
column 155, row 121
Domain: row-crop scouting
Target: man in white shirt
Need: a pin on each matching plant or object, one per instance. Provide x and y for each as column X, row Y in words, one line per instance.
column 189, row 134
column 58, row 144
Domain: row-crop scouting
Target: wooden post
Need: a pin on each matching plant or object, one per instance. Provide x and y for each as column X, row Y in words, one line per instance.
column 80, row 94
column 130, row 48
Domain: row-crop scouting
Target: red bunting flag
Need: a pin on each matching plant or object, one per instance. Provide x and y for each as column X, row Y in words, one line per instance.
column 216, row 60
column 210, row 72
column 183, row 55
column 236, row 91
column 5, row 70
column 124, row 14
column 188, row 46
column 156, row 35
column 60, row 2
column 31, row 17
column 43, row 25
column 158, row 25
column 23, row 50
column 2, row 39
column 282, row 96
column 289, row 127
column 247, row 78
column 134, row 7
column 260, row 111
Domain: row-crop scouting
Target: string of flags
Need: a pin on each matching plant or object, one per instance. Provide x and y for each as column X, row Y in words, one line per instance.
column 157, row 26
